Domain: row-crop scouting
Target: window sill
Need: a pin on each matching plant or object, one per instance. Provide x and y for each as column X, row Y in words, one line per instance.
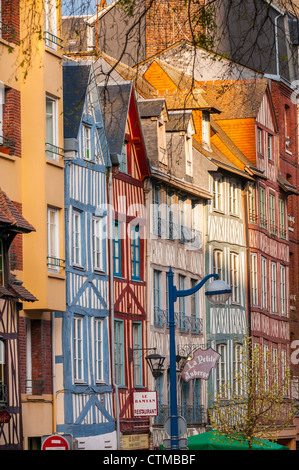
column 12, row 158
column 53, row 52
column 99, row 271
column 54, row 163
column 7, row 43
column 78, row 267
column 56, row 276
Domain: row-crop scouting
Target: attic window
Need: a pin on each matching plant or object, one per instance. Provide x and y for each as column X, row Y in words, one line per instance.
column 189, row 169
column 206, row 128
column 124, row 163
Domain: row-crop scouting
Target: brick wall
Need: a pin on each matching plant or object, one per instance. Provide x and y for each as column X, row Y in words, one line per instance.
column 12, row 119
column 16, row 248
column 11, row 20
column 168, row 22
column 41, row 356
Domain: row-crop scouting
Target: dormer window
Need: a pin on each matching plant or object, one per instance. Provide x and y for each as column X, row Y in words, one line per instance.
column 124, row 162
column 270, row 147
column 206, row 129
column 188, row 149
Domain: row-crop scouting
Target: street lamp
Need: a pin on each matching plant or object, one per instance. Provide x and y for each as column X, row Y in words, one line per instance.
column 155, row 361
column 218, row 292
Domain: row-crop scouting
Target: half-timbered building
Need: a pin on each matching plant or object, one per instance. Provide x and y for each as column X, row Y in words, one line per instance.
column 84, row 402
column 12, row 294
column 128, row 250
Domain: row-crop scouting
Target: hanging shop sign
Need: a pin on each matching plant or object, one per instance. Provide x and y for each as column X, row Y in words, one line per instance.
column 145, row 404
column 200, row 366
column 4, row 416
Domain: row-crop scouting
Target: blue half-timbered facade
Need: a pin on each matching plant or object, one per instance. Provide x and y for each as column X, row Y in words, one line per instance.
column 84, row 401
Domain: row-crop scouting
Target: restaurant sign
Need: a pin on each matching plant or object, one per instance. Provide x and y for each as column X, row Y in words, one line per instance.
column 200, row 366
column 145, row 404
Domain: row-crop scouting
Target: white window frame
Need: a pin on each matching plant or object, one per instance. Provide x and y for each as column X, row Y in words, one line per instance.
column 270, row 147
column 283, row 308
column 86, row 134
column 264, row 281
column 53, row 239
column 218, row 193
column 282, row 223
column 206, row 129
column 272, row 213
column 221, row 373
column 52, row 141
column 51, row 23
column 260, row 141
column 78, row 350
column 234, row 198
column 254, row 279
column 99, row 328
column 234, row 277
column 217, row 262
column 189, row 154
column 77, row 239
column 273, row 287
column 97, row 243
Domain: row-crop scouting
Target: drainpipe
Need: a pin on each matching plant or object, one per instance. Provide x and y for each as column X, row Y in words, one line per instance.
column 53, row 374
column 115, row 385
column 276, row 44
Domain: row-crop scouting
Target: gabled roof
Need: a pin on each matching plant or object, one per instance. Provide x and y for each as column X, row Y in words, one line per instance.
column 76, row 78
column 151, row 108
column 115, row 101
column 11, row 218
column 179, row 121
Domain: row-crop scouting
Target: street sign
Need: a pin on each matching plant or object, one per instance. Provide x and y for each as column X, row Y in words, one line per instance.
column 55, row 442
column 182, row 426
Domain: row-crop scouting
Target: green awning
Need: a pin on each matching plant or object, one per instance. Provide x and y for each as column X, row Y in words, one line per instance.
column 213, row 440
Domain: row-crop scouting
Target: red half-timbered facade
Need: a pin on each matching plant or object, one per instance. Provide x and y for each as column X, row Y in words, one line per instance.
column 130, row 171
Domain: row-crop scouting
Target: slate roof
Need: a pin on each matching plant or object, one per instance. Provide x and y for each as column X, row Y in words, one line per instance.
column 10, row 216
column 151, row 108
column 115, row 100
column 178, row 121
column 75, row 81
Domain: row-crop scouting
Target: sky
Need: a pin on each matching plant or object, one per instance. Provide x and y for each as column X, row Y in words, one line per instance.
column 80, row 7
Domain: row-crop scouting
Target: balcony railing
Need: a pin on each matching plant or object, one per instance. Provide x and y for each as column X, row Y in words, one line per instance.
column 34, row 387
column 173, row 231
column 193, row 414
column 185, row 323
column 7, row 32
column 3, row 394
column 52, row 40
column 55, row 264
column 6, row 142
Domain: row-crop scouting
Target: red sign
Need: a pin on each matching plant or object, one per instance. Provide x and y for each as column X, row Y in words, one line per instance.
column 201, row 365
column 55, row 442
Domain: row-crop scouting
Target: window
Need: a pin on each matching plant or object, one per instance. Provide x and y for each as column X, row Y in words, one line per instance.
column 270, row 147
column 53, row 239
column 86, row 142
column 259, row 141
column 266, row 367
column 78, row 349
column 156, row 211
column 252, row 204
column 283, row 290
column 157, row 298
column 195, row 322
column 76, row 238
column 1, row 264
column 188, row 147
column 263, row 220
column 135, row 253
column 234, row 276
column 51, row 24
column 97, row 244
column 217, row 262
column 137, row 344
column 264, row 282
column 221, row 370
column 99, row 350
column 124, row 162
column 217, row 194
column 272, row 214
column 182, row 219
column 287, row 126
column 169, row 215
column 234, row 199
column 282, row 226
column 254, row 281
column 238, row 375
column 206, row 128
column 119, row 352
column 117, row 249
column 52, row 135
column 275, row 366
column 3, row 396
column 273, row 288
column 182, row 304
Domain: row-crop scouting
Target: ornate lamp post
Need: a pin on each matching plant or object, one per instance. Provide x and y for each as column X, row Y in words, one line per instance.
column 218, row 292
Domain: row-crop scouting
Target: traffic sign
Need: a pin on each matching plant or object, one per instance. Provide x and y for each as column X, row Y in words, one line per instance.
column 182, row 425
column 55, row 442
